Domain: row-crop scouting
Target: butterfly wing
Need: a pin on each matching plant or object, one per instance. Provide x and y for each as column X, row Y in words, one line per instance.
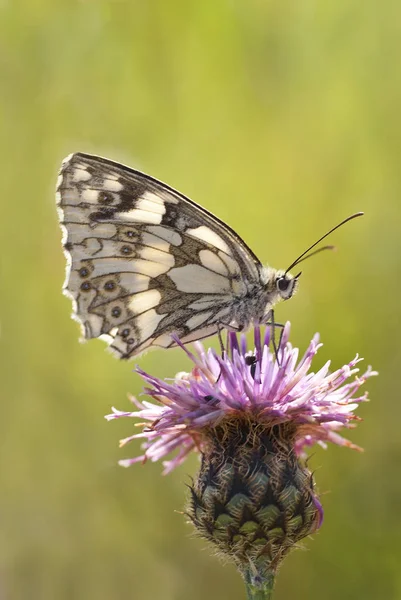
column 144, row 261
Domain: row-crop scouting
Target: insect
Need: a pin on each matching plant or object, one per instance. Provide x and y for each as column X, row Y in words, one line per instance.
column 145, row 262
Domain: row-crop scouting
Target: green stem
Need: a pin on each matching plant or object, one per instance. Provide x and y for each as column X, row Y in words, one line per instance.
column 258, row 588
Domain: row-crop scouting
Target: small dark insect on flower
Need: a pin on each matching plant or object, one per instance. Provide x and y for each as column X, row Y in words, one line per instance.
column 250, row 416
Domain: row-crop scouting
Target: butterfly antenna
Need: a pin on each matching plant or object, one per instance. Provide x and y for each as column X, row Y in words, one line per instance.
column 303, row 255
column 315, row 252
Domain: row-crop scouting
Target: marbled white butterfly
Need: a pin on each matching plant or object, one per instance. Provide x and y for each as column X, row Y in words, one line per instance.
column 144, row 261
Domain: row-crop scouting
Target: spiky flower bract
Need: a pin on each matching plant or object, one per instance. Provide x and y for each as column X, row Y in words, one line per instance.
column 250, row 414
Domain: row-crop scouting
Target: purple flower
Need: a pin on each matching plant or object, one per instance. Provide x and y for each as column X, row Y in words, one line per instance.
column 246, row 383
column 250, row 416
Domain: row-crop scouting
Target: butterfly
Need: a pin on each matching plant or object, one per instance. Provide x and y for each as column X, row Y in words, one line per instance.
column 145, row 262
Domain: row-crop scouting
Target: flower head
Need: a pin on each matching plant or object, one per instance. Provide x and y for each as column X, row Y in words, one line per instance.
column 250, row 415
column 246, row 383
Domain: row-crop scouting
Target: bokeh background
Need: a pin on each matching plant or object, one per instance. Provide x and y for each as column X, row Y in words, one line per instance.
column 282, row 118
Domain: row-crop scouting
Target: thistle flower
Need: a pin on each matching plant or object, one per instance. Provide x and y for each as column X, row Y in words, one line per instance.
column 250, row 417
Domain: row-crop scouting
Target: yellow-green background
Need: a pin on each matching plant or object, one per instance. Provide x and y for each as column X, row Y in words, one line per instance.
column 283, row 118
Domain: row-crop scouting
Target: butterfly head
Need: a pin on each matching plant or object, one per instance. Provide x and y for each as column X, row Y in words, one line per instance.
column 286, row 284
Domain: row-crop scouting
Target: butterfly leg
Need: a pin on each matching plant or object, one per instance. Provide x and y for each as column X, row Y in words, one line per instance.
column 270, row 321
column 219, row 335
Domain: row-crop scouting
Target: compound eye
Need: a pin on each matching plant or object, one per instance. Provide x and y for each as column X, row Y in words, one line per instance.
column 283, row 284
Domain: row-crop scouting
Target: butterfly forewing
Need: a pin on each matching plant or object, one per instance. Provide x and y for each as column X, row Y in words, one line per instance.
column 144, row 261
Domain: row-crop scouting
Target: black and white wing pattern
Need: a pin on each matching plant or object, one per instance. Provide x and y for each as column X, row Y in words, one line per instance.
column 144, row 261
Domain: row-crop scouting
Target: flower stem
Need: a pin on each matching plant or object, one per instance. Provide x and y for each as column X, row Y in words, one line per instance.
column 258, row 588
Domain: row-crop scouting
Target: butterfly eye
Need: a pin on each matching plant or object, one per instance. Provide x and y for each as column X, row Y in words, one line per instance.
column 286, row 286
column 283, row 284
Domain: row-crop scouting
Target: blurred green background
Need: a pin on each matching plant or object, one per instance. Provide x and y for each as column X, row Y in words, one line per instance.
column 282, row 118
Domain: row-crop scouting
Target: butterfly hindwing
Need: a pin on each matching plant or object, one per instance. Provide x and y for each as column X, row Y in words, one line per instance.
column 143, row 261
